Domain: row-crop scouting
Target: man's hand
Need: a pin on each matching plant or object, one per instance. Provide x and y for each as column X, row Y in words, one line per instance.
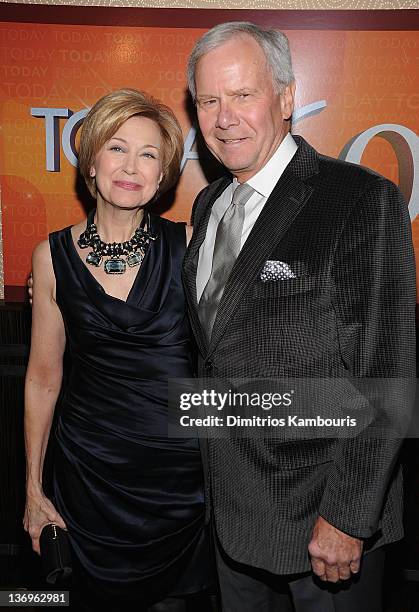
column 29, row 284
column 334, row 554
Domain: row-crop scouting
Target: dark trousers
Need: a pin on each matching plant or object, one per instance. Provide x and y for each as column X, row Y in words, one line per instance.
column 247, row 589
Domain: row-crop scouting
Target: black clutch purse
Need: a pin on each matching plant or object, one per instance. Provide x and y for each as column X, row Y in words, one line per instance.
column 55, row 553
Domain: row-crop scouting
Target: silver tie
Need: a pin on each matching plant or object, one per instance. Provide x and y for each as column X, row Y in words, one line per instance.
column 226, row 249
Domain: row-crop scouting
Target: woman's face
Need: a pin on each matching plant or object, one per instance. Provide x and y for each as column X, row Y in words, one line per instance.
column 128, row 168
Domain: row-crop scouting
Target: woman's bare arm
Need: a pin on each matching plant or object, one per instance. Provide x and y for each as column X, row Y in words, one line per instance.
column 42, row 386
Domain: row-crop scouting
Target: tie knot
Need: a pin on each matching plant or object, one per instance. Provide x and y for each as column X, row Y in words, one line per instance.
column 242, row 194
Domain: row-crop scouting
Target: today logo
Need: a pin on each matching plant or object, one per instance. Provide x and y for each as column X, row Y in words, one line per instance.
column 404, row 141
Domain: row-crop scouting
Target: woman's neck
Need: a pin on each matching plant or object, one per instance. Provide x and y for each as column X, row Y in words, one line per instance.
column 115, row 224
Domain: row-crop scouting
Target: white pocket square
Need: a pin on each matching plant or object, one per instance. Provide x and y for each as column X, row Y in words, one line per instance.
column 276, row 271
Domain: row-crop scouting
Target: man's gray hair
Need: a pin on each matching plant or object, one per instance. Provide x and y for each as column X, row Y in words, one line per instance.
column 274, row 44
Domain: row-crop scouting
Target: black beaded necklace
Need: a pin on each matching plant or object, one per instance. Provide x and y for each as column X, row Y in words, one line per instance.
column 131, row 252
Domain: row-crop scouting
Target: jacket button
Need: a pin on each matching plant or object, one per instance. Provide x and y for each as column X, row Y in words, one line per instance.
column 209, row 366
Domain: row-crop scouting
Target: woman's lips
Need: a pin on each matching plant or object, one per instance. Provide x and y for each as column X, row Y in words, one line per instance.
column 128, row 186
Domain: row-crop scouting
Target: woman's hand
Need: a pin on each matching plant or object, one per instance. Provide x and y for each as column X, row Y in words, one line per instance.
column 40, row 511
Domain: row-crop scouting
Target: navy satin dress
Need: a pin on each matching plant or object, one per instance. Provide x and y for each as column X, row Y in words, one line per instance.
column 131, row 497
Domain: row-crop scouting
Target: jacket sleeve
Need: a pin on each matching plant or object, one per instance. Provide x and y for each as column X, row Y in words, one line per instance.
column 374, row 300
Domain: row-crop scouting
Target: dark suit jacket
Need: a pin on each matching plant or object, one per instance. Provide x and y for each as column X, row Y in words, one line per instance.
column 351, row 314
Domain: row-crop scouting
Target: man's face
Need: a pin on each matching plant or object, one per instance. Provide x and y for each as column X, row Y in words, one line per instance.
column 241, row 117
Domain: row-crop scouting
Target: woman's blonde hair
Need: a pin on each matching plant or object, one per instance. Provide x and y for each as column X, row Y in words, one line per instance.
column 107, row 116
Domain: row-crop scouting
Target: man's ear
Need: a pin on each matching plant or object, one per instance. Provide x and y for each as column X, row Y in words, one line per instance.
column 287, row 101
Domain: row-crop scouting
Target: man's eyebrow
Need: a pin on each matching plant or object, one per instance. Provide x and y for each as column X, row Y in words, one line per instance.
column 232, row 92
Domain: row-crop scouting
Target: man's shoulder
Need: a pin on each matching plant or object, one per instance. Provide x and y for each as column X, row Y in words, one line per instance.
column 351, row 189
column 350, row 183
column 351, row 172
column 340, row 186
column 329, row 170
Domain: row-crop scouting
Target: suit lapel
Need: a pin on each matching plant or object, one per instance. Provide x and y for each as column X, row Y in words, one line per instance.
column 285, row 202
column 190, row 262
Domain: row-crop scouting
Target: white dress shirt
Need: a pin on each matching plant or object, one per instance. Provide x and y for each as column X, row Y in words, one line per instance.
column 263, row 182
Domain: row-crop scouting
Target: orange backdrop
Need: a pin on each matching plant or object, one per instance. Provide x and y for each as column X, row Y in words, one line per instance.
column 356, row 80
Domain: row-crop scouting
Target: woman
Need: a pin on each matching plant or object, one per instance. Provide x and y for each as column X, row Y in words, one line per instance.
column 130, row 497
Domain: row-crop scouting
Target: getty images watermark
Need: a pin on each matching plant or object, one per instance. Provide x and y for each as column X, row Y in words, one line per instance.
column 265, row 401
column 290, row 408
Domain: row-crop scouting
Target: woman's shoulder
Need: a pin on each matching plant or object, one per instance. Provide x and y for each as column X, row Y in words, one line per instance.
column 58, row 236
column 58, row 233
column 166, row 222
column 175, row 229
column 41, row 253
column 42, row 268
column 77, row 229
column 170, row 228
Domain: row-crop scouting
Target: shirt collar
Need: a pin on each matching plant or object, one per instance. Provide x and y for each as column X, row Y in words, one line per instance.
column 265, row 180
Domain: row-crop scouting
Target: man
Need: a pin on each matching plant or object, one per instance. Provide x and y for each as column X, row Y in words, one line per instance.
column 309, row 272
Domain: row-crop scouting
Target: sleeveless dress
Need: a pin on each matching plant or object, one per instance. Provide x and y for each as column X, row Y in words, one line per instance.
column 131, row 497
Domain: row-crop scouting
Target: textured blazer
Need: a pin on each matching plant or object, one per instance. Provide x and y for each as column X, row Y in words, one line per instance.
column 347, row 311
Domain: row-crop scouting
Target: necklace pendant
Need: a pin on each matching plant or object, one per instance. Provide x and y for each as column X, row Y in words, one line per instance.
column 135, row 259
column 115, row 266
column 94, row 259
